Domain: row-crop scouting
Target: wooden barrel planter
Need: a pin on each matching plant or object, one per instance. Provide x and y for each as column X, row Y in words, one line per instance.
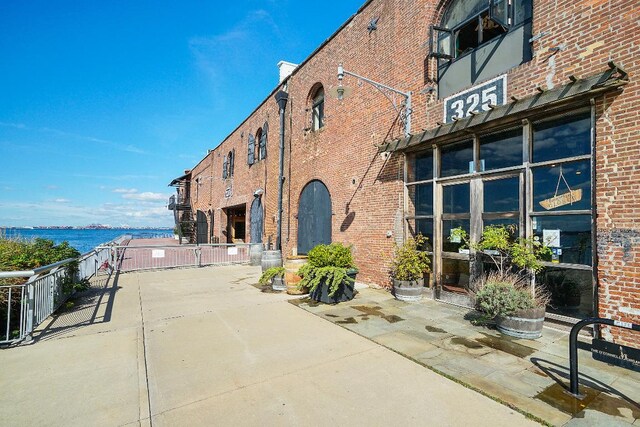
column 271, row 259
column 291, row 278
column 523, row 323
column 408, row 290
column 255, row 254
column 344, row 293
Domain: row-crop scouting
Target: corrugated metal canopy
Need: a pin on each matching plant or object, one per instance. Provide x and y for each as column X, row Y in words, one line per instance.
column 614, row 77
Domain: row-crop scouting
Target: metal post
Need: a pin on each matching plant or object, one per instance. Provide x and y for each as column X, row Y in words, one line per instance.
column 573, row 346
column 198, row 253
column 281, row 98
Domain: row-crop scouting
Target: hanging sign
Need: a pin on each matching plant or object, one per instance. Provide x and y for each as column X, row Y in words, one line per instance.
column 562, row 199
column 477, row 99
column 157, row 253
column 228, row 192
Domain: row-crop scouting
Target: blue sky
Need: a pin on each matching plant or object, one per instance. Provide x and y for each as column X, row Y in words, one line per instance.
column 103, row 103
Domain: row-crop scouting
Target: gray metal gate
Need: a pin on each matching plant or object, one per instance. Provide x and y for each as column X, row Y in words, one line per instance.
column 256, row 220
column 314, row 217
column 202, row 228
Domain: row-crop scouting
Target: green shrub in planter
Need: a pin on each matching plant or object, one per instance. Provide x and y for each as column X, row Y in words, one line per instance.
column 410, row 263
column 270, row 273
column 327, row 264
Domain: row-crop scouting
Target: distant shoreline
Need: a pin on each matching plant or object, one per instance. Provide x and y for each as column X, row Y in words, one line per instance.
column 88, row 227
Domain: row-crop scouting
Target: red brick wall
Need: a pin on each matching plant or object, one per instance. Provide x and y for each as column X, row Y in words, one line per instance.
column 366, row 187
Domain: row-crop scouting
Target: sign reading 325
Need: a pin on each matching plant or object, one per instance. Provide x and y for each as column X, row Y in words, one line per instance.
column 476, row 99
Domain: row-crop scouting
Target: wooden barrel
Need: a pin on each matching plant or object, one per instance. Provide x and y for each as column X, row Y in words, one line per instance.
column 408, row 290
column 255, row 253
column 291, row 278
column 271, row 259
column 525, row 323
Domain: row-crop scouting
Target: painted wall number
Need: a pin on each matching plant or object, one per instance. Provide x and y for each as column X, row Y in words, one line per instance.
column 476, row 99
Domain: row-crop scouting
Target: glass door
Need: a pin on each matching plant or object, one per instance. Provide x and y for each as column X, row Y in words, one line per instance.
column 456, row 213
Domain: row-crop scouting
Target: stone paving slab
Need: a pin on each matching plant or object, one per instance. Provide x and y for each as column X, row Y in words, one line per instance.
column 528, row 374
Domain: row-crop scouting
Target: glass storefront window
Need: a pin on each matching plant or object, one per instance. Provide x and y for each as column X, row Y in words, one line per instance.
column 562, row 187
column 568, row 236
column 455, row 275
column 571, row 291
column 501, row 150
column 424, row 199
column 502, row 195
column 456, row 199
column 557, row 139
column 456, row 159
column 425, row 227
column 423, row 167
column 452, row 245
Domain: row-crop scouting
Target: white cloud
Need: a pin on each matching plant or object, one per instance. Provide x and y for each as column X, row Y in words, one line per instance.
column 146, row 196
column 62, row 200
column 125, row 190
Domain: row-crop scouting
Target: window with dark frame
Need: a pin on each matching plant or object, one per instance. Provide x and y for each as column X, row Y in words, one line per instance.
column 467, row 24
column 317, row 109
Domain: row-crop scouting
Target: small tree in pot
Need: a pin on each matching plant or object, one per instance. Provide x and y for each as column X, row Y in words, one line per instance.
column 505, row 294
column 408, row 269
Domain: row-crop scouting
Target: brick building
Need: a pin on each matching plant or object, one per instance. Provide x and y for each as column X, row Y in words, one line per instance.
column 520, row 112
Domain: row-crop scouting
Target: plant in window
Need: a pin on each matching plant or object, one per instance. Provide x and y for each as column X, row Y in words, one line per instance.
column 329, row 273
column 504, row 295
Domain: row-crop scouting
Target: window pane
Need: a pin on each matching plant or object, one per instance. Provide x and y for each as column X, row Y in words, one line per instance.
column 521, row 11
column 455, row 199
column 425, row 227
column 455, row 159
column 447, row 226
column 568, row 236
column 562, row 187
column 567, row 137
column 502, row 195
column 504, row 221
column 423, row 166
column 455, row 275
column 502, row 150
column 461, row 10
column 571, row 291
column 424, row 199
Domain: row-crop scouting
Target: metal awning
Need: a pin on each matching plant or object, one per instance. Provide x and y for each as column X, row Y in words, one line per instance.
column 613, row 78
column 179, row 180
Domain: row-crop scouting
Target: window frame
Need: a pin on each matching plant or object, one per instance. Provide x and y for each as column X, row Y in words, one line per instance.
column 317, row 108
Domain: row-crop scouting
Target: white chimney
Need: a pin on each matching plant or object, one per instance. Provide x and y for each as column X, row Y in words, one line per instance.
column 286, row 68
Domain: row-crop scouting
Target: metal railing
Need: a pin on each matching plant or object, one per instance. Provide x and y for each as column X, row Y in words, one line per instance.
column 136, row 258
column 24, row 306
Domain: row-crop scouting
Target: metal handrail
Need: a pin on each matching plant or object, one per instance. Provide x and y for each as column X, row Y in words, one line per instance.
column 36, row 271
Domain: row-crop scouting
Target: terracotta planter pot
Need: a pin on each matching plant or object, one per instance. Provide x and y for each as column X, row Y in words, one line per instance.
column 523, row 323
column 408, row 290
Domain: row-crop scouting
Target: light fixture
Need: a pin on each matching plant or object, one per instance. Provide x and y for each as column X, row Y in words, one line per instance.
column 342, row 91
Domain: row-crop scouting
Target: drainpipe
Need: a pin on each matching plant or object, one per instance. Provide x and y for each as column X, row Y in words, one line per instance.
column 281, row 98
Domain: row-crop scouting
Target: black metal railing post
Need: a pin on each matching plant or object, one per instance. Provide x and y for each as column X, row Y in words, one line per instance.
column 573, row 346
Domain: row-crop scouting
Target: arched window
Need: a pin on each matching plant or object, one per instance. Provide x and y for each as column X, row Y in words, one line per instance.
column 230, row 163
column 317, row 107
column 263, row 141
column 251, row 145
column 256, row 147
column 467, row 24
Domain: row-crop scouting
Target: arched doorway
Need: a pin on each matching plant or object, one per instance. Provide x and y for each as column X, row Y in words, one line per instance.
column 314, row 217
column 202, row 229
column 256, row 220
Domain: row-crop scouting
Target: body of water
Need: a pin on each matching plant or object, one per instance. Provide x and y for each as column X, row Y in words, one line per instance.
column 82, row 240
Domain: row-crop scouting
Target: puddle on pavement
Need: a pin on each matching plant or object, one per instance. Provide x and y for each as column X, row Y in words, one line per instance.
column 505, row 344
column 306, row 300
column 466, row 342
column 376, row 310
column 332, row 315
column 556, row 395
column 347, row 321
column 434, row 329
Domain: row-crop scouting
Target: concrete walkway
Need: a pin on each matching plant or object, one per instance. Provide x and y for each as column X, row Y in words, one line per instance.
column 204, row 347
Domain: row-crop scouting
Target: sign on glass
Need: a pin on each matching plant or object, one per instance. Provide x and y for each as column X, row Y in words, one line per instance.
column 477, row 99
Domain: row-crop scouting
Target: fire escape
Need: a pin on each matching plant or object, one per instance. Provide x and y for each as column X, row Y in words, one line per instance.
column 180, row 204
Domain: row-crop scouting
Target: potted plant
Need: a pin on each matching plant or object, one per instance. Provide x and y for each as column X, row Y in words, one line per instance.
column 408, row 269
column 329, row 273
column 275, row 276
column 505, row 294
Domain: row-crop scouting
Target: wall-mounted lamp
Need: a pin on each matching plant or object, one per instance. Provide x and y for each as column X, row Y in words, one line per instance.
column 259, row 192
column 341, row 92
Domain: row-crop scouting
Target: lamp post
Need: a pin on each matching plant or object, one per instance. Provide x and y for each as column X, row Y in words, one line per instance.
column 340, row 90
column 281, row 98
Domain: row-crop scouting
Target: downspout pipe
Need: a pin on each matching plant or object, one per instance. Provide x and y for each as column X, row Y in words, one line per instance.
column 281, row 98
